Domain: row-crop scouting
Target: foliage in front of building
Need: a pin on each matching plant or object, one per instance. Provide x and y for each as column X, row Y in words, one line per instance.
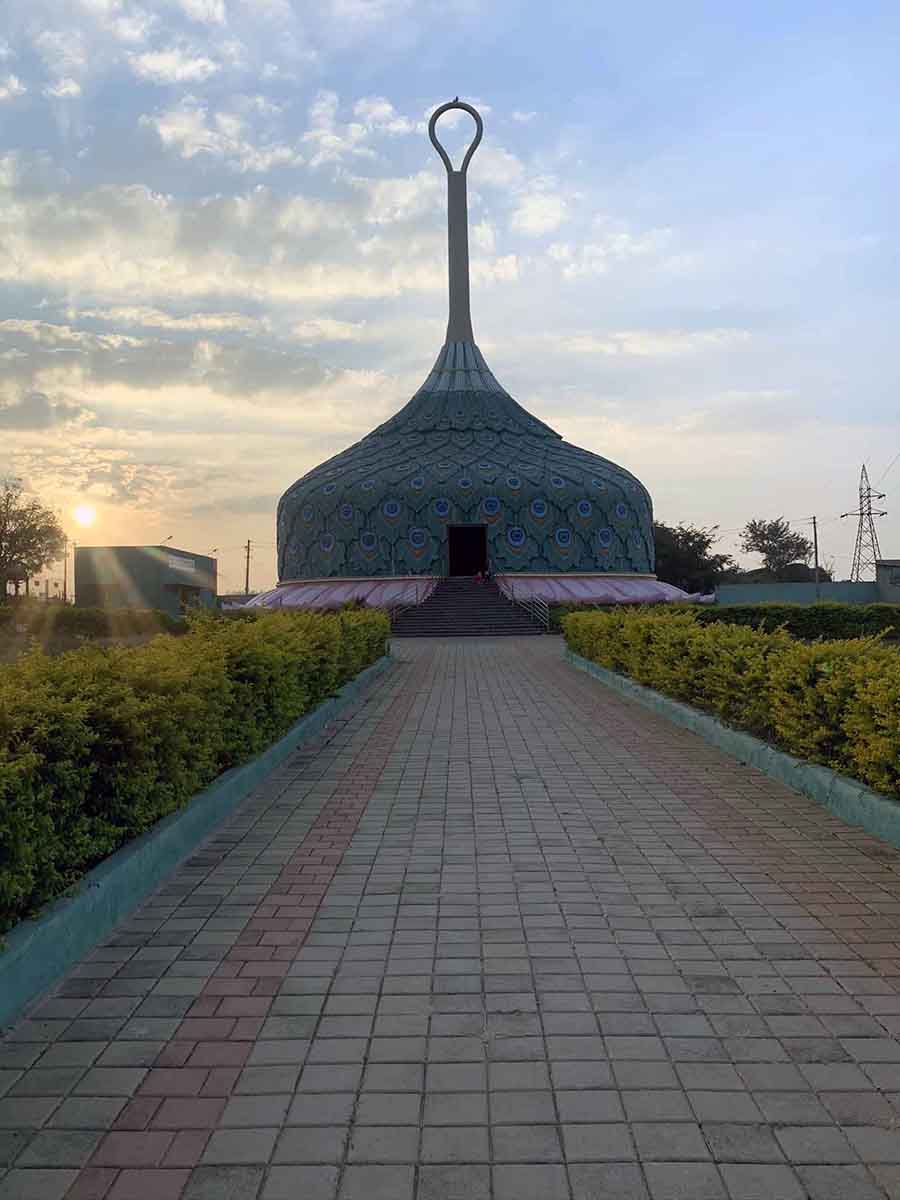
column 807, row 621
column 810, row 621
column 51, row 621
column 832, row 702
column 98, row 744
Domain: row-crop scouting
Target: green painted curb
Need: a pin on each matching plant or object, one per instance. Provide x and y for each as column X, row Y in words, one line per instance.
column 847, row 798
column 39, row 951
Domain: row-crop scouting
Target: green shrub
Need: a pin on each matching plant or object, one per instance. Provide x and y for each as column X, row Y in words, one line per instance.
column 47, row 622
column 96, row 745
column 832, row 702
column 808, row 621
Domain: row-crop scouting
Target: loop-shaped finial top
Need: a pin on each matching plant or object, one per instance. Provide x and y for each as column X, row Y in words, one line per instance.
column 479, row 130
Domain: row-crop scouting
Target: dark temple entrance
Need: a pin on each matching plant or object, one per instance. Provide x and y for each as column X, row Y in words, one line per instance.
column 467, row 549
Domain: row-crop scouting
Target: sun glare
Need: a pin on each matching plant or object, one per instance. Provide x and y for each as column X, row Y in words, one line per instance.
column 84, row 514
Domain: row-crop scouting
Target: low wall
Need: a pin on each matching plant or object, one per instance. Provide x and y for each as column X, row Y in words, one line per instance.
column 796, row 593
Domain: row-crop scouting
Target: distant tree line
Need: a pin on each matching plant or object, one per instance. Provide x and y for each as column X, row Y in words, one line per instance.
column 685, row 557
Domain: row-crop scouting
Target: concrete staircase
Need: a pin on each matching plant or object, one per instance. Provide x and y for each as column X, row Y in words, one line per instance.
column 460, row 607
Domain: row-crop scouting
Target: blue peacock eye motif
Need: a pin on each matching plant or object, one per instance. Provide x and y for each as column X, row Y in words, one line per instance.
column 585, row 508
column 539, row 508
column 598, row 484
column 308, row 513
column 557, row 481
column 418, row 483
column 563, row 538
column 442, row 507
column 368, row 541
column 515, row 535
column 605, row 537
column 417, row 538
column 621, row 509
column 327, row 542
column 513, row 482
column 391, row 509
column 329, row 489
column 464, row 482
column 345, row 512
column 368, row 485
column 491, row 506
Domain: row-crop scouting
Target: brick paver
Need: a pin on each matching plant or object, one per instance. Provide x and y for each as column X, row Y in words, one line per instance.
column 498, row 934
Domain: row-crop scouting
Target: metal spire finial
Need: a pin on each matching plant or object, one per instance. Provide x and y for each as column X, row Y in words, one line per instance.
column 459, row 324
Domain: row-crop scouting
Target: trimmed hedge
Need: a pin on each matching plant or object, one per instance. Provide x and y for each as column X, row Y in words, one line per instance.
column 809, row 621
column 835, row 702
column 96, row 745
column 49, row 621
column 806, row 621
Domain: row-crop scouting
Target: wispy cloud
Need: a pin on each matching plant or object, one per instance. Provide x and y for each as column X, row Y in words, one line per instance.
column 11, row 86
column 191, row 130
column 174, row 65
column 650, row 343
column 63, row 89
column 539, row 213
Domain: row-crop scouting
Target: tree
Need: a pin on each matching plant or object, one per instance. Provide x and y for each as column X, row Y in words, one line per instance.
column 31, row 536
column 683, row 556
column 778, row 544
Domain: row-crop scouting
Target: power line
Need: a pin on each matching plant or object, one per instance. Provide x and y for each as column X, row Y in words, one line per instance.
column 887, row 469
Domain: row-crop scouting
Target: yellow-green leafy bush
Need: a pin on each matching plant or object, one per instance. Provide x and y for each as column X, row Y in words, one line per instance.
column 56, row 621
column 98, row 744
column 836, row 703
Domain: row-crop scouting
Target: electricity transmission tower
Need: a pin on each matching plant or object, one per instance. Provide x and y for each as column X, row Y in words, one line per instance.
column 866, row 551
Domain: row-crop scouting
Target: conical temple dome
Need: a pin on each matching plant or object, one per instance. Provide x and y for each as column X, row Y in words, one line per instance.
column 463, row 452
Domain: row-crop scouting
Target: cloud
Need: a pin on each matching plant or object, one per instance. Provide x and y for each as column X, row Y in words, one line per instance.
column 209, row 12
column 189, row 129
column 35, row 410
column 597, row 256
column 333, row 141
column 60, row 356
column 325, row 329
column 174, row 65
column 644, row 343
column 523, row 117
column 154, row 318
column 63, row 89
column 494, row 166
column 401, row 199
column 110, row 244
column 538, row 213
column 11, row 86
column 377, row 112
column 63, row 51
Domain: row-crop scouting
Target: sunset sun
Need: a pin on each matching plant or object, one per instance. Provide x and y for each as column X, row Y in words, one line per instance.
column 84, row 514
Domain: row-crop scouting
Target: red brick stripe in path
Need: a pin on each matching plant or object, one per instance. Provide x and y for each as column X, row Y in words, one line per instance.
column 162, row 1133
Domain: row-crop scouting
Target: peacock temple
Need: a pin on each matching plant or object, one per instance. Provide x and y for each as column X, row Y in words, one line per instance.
column 463, row 481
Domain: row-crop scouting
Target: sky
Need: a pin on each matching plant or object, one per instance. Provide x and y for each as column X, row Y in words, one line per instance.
column 223, row 248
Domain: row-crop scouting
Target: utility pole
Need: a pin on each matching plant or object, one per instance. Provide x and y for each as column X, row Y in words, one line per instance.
column 816, row 557
column 866, row 552
column 247, row 570
column 66, row 573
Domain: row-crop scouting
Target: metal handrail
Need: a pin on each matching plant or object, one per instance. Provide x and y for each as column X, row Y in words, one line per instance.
column 538, row 610
column 397, row 610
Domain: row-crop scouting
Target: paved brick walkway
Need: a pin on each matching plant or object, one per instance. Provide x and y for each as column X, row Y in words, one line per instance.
column 500, row 935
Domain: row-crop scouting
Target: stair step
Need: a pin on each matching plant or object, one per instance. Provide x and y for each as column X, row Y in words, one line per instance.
column 461, row 607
